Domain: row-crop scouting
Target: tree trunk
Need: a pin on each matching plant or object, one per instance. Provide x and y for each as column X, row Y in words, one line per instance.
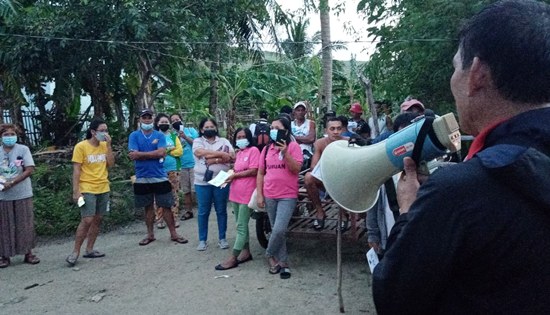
column 144, row 94
column 231, row 119
column 213, row 88
column 326, row 91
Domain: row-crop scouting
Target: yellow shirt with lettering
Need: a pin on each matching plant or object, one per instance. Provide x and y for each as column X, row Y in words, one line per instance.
column 93, row 170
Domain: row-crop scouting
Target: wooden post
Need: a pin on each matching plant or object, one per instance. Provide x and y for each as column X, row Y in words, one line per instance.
column 370, row 99
column 339, row 261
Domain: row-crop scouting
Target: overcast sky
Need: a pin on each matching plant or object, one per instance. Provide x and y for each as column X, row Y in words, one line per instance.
column 349, row 18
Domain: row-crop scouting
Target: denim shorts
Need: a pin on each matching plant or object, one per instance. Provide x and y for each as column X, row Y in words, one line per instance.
column 145, row 194
column 94, row 204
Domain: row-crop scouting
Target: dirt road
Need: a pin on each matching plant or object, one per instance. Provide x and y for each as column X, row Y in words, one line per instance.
column 166, row 278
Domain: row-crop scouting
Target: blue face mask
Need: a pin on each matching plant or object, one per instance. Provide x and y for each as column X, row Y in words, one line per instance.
column 147, row 126
column 242, row 143
column 100, row 135
column 273, row 134
column 9, row 141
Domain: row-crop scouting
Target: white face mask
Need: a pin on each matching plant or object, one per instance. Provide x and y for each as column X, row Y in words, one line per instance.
column 242, row 143
column 147, row 126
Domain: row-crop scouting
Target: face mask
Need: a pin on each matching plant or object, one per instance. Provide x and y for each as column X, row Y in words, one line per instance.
column 146, row 126
column 164, row 127
column 209, row 133
column 273, row 134
column 9, row 141
column 176, row 125
column 242, row 143
column 100, row 135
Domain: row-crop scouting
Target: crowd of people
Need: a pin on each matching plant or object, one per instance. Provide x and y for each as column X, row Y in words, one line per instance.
column 473, row 238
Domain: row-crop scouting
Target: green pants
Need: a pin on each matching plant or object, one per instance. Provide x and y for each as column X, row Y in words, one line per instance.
column 242, row 216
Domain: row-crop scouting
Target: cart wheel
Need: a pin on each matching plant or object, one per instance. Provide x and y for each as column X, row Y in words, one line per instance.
column 263, row 229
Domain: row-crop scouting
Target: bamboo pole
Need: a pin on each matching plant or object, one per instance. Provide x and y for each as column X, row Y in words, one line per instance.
column 339, row 261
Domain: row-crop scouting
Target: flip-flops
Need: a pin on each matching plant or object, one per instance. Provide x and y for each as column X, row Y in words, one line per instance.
column 146, row 241
column 285, row 273
column 71, row 259
column 319, row 224
column 186, row 216
column 93, row 254
column 180, row 240
column 274, row 269
column 4, row 262
column 31, row 259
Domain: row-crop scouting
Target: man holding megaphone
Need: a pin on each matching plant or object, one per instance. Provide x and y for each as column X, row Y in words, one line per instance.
column 475, row 237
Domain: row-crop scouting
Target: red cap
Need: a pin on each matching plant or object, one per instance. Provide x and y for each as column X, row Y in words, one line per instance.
column 410, row 103
column 356, row 108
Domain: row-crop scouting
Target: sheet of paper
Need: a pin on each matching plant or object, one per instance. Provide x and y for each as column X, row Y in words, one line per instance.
column 220, row 179
column 80, row 201
column 372, row 259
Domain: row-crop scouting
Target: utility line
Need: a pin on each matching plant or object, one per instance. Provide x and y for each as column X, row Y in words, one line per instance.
column 373, row 41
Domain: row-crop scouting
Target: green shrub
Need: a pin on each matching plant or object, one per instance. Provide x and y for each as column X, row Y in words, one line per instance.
column 56, row 214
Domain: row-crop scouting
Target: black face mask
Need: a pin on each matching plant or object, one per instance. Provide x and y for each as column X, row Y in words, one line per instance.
column 164, row 127
column 177, row 125
column 209, row 133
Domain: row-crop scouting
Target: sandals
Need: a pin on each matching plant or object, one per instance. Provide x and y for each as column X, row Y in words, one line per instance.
column 344, row 225
column 179, row 240
column 31, row 259
column 93, row 254
column 147, row 241
column 71, row 259
column 161, row 225
column 186, row 216
column 274, row 269
column 285, row 273
column 4, row 262
column 319, row 224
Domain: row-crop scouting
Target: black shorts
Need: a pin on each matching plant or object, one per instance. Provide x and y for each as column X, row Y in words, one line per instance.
column 146, row 194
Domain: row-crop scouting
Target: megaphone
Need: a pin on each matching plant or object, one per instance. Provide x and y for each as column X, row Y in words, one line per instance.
column 352, row 175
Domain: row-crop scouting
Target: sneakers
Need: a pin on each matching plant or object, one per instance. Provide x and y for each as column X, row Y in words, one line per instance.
column 202, row 246
column 223, row 244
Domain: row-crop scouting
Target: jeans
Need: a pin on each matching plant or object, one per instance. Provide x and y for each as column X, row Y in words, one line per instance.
column 280, row 212
column 206, row 194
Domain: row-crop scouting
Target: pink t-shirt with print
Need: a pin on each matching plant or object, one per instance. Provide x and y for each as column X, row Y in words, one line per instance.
column 241, row 188
column 279, row 181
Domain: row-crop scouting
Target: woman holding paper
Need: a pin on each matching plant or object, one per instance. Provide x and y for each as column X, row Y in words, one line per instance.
column 243, row 183
column 212, row 155
column 91, row 158
column 17, row 236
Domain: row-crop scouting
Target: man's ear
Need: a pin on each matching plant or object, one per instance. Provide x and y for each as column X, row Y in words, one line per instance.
column 479, row 76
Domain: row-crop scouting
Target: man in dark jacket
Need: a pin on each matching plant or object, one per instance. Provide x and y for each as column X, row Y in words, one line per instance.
column 475, row 238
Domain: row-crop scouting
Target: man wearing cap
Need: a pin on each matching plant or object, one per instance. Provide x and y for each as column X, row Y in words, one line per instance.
column 475, row 237
column 357, row 124
column 413, row 106
column 303, row 129
column 147, row 148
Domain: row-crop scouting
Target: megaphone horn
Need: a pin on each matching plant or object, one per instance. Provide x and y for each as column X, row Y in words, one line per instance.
column 352, row 175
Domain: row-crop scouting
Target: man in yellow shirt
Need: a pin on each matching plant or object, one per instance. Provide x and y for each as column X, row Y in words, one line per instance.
column 91, row 158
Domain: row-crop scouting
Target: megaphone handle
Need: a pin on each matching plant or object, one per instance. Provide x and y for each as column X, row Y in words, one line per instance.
column 422, row 134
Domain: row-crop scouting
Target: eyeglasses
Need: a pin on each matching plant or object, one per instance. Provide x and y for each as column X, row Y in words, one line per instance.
column 102, row 130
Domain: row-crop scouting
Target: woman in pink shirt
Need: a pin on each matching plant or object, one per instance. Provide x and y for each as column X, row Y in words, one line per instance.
column 243, row 183
column 277, row 190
